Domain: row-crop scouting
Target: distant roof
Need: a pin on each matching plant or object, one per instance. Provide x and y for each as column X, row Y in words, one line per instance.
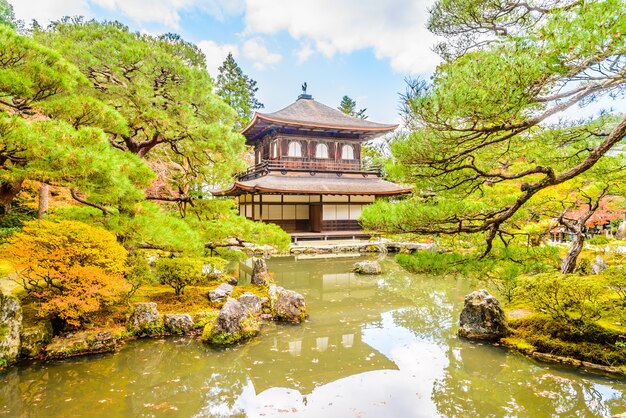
column 319, row 184
column 307, row 113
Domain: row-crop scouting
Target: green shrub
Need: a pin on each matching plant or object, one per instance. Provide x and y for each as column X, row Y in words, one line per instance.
column 180, row 272
column 616, row 279
column 567, row 298
column 506, row 280
column 598, row 240
column 139, row 274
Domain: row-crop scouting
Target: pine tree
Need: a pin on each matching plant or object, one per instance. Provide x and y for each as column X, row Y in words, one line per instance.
column 348, row 106
column 237, row 89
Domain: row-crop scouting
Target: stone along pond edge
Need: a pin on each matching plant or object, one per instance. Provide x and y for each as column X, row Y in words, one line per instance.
column 237, row 320
column 482, row 319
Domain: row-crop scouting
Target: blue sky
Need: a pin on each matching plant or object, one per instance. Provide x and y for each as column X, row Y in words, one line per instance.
column 360, row 48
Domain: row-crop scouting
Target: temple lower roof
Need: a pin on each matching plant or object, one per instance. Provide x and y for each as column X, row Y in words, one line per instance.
column 318, row 184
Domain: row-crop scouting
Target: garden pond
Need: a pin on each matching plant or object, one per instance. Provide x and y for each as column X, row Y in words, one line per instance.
column 373, row 346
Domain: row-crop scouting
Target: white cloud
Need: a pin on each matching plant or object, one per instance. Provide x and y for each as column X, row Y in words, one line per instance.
column 255, row 50
column 304, row 53
column 395, row 30
column 165, row 12
column 216, row 53
column 45, row 11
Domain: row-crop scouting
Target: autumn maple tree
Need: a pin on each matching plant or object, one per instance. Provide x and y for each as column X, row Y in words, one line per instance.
column 72, row 268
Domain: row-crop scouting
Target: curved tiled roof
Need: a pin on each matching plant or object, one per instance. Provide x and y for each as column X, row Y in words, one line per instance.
column 308, row 113
column 318, row 184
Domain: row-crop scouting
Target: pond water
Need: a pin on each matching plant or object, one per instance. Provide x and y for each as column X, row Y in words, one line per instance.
column 373, row 347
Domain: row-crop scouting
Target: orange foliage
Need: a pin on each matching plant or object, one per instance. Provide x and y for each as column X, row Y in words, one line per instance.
column 73, row 268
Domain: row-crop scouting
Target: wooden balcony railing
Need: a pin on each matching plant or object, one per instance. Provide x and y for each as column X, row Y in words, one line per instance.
column 307, row 165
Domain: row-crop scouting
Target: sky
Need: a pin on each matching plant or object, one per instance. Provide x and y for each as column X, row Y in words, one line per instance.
column 361, row 48
column 364, row 49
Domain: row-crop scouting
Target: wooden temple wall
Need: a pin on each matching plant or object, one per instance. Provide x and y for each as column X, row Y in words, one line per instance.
column 294, row 212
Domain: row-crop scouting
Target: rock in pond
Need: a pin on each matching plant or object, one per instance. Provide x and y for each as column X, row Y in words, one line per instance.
column 251, row 302
column 35, row 339
column 178, row 323
column 220, row 293
column 367, row 267
column 598, row 265
column 84, row 342
column 482, row 317
column 260, row 275
column 234, row 323
column 145, row 319
column 10, row 327
column 289, row 306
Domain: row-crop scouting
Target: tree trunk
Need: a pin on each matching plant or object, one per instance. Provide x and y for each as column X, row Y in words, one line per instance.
column 568, row 265
column 43, row 201
column 8, row 191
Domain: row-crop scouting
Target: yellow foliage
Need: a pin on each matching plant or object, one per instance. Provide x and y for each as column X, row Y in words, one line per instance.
column 73, row 268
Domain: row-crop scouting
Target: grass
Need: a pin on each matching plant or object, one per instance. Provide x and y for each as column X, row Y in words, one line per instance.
column 193, row 300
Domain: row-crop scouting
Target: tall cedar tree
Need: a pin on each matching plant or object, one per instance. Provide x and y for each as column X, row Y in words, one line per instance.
column 348, row 106
column 238, row 90
column 6, row 14
column 482, row 149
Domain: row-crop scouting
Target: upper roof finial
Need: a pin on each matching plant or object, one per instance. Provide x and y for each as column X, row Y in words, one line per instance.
column 304, row 95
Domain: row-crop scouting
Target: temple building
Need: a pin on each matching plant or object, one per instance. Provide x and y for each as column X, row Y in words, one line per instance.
column 308, row 174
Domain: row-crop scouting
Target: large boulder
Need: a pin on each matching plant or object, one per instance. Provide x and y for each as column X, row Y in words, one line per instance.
column 598, row 265
column 178, row 323
column 10, row 327
column 367, row 267
column 482, row 317
column 290, row 306
column 80, row 343
column 35, row 338
column 145, row 320
column 251, row 302
column 220, row 293
column 272, row 293
column 233, row 324
column 260, row 275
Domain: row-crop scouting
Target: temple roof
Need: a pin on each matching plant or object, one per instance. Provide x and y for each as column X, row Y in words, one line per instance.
column 307, row 114
column 318, row 184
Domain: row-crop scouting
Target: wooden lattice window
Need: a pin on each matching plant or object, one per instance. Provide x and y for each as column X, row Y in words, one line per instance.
column 295, row 149
column 321, row 151
column 347, row 152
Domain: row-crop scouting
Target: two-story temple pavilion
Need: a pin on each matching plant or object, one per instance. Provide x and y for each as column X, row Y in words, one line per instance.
column 308, row 174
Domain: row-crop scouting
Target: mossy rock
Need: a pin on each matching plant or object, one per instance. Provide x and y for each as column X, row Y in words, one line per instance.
column 80, row 343
column 145, row 320
column 34, row 339
column 248, row 328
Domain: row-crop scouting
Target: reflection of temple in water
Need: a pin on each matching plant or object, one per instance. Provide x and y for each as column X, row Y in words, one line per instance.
column 329, row 346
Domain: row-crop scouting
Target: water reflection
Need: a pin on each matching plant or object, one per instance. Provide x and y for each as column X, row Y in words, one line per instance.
column 373, row 347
